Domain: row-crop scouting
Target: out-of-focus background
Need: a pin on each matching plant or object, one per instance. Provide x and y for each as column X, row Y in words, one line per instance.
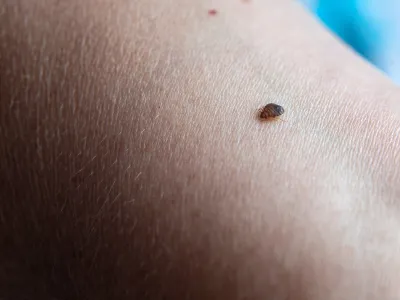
column 370, row 27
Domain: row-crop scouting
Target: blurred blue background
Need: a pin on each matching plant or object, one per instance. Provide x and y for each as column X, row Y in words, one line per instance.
column 370, row 27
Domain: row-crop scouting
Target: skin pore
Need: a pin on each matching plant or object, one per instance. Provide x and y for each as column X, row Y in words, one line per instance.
column 132, row 164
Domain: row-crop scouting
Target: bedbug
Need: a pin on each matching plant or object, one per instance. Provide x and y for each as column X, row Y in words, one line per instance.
column 270, row 111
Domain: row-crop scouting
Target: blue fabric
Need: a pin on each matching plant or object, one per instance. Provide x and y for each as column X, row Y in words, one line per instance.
column 370, row 27
column 343, row 18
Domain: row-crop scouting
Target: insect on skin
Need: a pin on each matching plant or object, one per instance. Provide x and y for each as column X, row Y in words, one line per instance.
column 271, row 111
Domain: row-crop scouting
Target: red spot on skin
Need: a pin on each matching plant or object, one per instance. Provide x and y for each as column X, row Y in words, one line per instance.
column 212, row 12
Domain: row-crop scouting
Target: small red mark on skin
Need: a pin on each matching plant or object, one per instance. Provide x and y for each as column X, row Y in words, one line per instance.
column 212, row 12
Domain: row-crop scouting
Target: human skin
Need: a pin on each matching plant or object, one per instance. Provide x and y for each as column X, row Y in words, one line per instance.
column 132, row 165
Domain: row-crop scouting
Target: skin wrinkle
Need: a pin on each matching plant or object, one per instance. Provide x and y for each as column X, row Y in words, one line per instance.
column 359, row 112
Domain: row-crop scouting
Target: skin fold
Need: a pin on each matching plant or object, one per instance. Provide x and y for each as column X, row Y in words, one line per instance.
column 133, row 166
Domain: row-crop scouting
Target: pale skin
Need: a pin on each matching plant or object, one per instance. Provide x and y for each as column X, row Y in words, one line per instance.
column 132, row 164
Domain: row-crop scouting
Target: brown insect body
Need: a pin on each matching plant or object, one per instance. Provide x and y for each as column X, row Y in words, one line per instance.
column 271, row 110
